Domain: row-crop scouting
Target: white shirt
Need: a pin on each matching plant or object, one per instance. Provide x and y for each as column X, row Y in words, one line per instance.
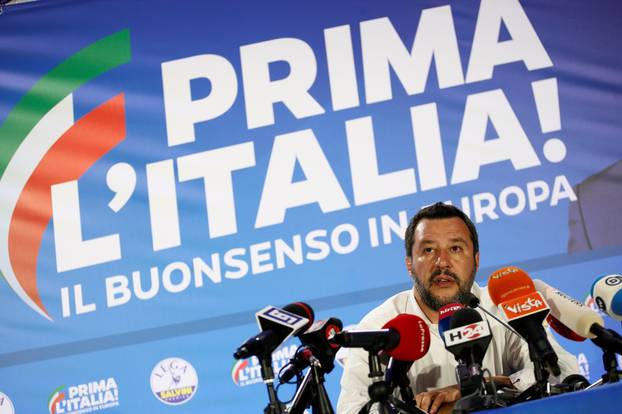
column 506, row 355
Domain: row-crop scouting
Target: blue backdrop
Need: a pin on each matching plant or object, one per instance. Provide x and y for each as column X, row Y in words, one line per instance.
column 169, row 169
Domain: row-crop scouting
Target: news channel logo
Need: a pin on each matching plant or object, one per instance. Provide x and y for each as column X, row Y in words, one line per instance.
column 6, row 405
column 174, row 381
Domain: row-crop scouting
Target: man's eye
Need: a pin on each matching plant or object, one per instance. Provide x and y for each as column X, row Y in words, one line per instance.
column 428, row 250
column 456, row 249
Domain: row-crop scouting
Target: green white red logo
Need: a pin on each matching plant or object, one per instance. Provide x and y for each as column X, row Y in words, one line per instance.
column 55, row 398
column 41, row 144
column 84, row 398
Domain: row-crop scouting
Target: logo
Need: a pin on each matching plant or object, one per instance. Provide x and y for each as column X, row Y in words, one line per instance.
column 504, row 272
column 523, row 306
column 449, row 310
column 613, row 280
column 6, row 405
column 281, row 317
column 42, row 145
column 329, row 332
column 273, row 315
column 600, row 303
column 248, row 371
column 466, row 333
column 84, row 398
column 174, row 381
column 591, row 303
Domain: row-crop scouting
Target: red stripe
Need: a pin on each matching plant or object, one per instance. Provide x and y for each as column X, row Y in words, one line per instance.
column 68, row 159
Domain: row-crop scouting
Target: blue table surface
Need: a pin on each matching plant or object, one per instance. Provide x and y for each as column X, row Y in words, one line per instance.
column 604, row 399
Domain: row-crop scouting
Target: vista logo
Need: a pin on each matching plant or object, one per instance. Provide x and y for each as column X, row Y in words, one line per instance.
column 526, row 306
column 523, row 306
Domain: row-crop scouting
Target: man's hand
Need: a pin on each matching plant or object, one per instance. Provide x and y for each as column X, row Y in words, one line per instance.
column 431, row 401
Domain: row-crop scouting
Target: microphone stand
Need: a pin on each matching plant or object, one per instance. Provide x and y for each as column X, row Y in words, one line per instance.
column 541, row 388
column 380, row 392
column 274, row 406
column 312, row 389
column 612, row 372
column 407, row 394
column 475, row 394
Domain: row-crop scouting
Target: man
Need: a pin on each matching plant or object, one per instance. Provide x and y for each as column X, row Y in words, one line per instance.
column 442, row 257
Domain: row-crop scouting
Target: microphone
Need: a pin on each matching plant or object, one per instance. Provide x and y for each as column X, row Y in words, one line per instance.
column 579, row 318
column 405, row 337
column 472, row 301
column 607, row 293
column 468, row 337
column 563, row 330
column 398, row 368
column 276, row 326
column 444, row 316
column 513, row 291
column 316, row 344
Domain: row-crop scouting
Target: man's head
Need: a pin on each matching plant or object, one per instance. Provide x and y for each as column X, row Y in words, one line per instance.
column 442, row 254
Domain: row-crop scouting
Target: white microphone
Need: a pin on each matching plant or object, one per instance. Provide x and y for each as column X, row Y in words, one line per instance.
column 572, row 313
column 578, row 317
column 607, row 293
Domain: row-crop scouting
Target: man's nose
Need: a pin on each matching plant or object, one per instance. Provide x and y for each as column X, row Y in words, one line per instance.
column 442, row 259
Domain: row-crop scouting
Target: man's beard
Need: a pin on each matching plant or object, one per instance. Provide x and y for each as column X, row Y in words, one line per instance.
column 434, row 302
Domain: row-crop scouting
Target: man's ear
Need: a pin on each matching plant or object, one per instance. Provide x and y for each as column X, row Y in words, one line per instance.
column 409, row 264
column 476, row 261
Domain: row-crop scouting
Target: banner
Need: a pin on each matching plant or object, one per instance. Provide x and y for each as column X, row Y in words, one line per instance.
column 169, row 169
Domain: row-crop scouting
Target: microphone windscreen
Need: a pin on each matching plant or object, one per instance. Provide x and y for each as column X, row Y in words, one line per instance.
column 509, row 283
column 576, row 317
column 414, row 337
column 607, row 293
column 464, row 317
column 301, row 309
column 562, row 329
column 471, row 300
column 444, row 316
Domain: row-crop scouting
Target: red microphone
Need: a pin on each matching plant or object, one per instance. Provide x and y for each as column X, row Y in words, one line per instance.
column 405, row 337
column 414, row 337
column 509, row 283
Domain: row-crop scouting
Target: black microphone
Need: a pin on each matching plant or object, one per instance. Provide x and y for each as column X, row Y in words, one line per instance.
column 316, row 344
column 276, row 326
column 468, row 336
column 468, row 339
column 376, row 339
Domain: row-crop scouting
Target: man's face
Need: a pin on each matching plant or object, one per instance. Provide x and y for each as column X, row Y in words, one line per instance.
column 443, row 264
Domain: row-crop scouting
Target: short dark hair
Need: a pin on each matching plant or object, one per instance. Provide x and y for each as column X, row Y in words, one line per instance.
column 438, row 211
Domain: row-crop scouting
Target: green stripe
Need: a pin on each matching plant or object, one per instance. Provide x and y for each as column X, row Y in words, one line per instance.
column 54, row 392
column 90, row 62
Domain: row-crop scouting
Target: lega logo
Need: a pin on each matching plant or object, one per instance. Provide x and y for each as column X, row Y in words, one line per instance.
column 174, row 381
column 6, row 405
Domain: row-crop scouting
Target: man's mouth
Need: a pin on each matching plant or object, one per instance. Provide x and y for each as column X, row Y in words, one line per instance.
column 444, row 280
